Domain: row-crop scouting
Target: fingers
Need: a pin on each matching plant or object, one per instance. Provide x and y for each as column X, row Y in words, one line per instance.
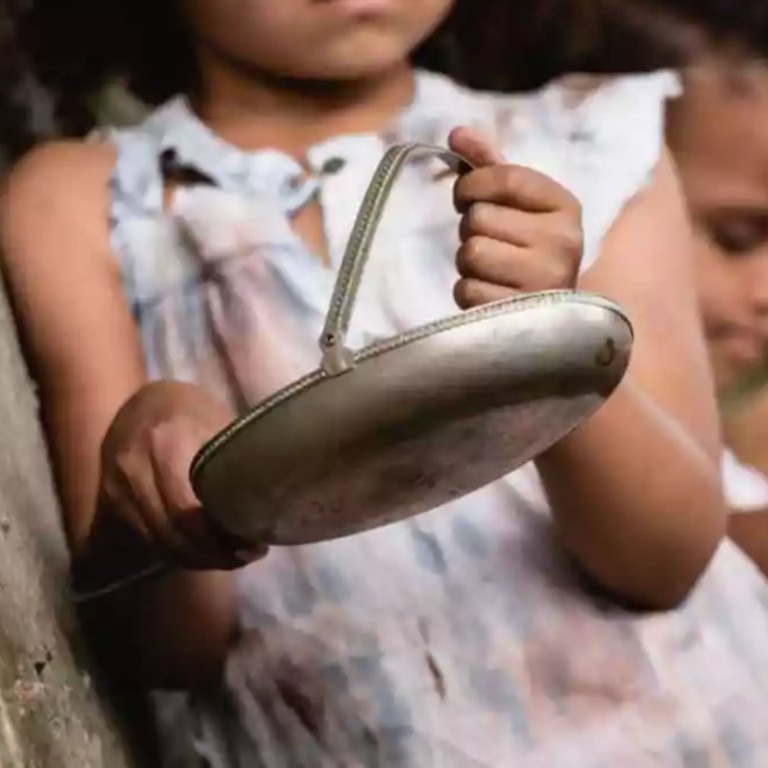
column 469, row 292
column 133, row 488
column 477, row 149
column 118, row 495
column 148, row 483
column 520, row 230
column 493, row 180
column 173, row 447
column 553, row 244
column 506, row 224
column 146, row 455
column 507, row 266
column 513, row 186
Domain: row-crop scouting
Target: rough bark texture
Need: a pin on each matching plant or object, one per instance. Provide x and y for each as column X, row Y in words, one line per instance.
column 51, row 715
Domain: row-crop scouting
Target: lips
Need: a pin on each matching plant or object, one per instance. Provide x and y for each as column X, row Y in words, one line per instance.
column 358, row 7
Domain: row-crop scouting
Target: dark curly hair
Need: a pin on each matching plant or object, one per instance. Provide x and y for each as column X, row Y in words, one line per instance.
column 76, row 47
column 734, row 24
column 19, row 117
column 80, row 45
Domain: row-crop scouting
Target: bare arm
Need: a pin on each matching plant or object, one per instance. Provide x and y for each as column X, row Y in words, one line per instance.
column 85, row 354
column 636, row 491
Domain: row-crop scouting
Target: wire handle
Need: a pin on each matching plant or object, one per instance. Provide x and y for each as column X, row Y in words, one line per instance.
column 337, row 358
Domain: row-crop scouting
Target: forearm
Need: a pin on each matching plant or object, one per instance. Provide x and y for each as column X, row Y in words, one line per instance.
column 172, row 629
column 637, row 501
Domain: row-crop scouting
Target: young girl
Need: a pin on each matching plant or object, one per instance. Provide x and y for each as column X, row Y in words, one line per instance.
column 175, row 273
column 717, row 134
column 719, row 137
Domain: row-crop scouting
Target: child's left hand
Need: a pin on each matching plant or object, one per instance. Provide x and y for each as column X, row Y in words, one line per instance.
column 520, row 230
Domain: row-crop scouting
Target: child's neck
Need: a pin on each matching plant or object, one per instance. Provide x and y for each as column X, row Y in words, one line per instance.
column 254, row 112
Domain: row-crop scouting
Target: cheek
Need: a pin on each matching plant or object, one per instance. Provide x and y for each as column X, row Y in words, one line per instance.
column 244, row 27
column 757, row 276
column 434, row 11
column 718, row 284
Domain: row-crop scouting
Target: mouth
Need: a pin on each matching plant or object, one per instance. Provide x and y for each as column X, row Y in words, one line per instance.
column 358, row 7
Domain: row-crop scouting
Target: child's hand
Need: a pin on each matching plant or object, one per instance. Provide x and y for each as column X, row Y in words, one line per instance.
column 520, row 230
column 146, row 457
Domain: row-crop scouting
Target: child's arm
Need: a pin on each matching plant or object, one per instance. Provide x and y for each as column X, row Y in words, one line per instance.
column 636, row 490
column 85, row 355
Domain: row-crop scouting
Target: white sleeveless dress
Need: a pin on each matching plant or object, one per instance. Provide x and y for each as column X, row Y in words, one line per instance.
column 463, row 638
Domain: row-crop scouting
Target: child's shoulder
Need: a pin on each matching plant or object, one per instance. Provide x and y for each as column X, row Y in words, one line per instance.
column 54, row 228
column 58, row 182
column 61, row 163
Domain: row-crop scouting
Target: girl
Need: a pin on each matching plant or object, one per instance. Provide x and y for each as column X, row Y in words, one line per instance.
column 717, row 134
column 719, row 138
column 172, row 274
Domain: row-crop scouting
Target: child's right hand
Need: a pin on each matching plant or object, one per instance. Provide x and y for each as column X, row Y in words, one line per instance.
column 145, row 462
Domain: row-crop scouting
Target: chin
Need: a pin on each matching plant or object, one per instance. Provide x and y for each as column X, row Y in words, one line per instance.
column 723, row 372
column 362, row 71
column 358, row 61
column 729, row 377
column 725, row 383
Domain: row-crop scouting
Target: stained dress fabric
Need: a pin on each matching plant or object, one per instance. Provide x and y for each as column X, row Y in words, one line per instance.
column 463, row 638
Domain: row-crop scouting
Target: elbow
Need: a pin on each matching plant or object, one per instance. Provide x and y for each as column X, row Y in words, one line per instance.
column 133, row 663
column 658, row 590
column 657, row 572
column 170, row 633
column 668, row 577
column 670, row 592
column 703, row 529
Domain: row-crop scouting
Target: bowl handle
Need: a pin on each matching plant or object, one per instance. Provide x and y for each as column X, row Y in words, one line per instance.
column 337, row 358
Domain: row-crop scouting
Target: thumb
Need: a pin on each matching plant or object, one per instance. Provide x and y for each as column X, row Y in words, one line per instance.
column 174, row 445
column 474, row 147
